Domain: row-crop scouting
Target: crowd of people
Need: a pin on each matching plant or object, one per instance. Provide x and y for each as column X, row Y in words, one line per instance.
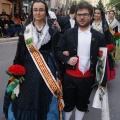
column 11, row 25
column 65, row 48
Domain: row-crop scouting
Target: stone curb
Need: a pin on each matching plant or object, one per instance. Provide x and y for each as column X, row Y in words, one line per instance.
column 8, row 39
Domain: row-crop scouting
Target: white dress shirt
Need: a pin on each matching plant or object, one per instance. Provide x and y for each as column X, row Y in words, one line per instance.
column 83, row 50
column 72, row 22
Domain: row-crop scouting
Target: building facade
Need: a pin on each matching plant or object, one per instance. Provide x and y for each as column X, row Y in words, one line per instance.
column 6, row 5
column 64, row 4
column 95, row 2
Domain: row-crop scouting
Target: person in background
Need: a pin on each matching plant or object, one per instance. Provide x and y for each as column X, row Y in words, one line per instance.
column 82, row 44
column 114, row 27
column 8, row 27
column 53, row 17
column 112, row 22
column 35, row 100
column 3, row 12
column 2, row 22
column 57, row 12
column 1, row 26
column 100, row 24
column 68, row 21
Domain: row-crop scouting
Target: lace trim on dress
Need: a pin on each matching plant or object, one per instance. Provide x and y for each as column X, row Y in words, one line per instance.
column 41, row 38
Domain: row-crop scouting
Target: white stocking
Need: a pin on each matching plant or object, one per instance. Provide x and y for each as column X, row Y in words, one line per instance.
column 68, row 115
column 78, row 114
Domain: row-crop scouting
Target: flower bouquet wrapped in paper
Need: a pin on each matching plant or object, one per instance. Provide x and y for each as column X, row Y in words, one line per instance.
column 16, row 73
column 99, row 97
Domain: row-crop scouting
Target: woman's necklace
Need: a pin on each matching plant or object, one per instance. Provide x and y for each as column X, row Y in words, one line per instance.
column 39, row 30
column 96, row 25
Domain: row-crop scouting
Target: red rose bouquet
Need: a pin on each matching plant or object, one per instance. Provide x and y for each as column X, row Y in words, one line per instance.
column 111, row 51
column 16, row 73
column 110, row 48
column 117, row 34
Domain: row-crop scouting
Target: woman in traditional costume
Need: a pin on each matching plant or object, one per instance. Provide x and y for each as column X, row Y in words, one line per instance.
column 36, row 53
column 99, row 23
column 114, row 28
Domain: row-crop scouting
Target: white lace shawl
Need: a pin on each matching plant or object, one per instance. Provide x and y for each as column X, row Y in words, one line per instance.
column 41, row 39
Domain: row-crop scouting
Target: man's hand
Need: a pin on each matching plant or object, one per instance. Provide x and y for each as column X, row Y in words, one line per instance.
column 72, row 61
column 66, row 53
column 57, row 25
column 100, row 87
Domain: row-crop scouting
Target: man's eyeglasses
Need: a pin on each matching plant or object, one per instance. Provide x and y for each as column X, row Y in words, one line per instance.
column 85, row 15
column 40, row 10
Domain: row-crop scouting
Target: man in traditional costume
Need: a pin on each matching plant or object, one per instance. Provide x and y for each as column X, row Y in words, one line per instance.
column 68, row 21
column 82, row 44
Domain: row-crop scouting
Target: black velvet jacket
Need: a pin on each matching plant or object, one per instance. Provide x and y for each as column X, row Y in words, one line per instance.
column 64, row 22
column 49, row 47
column 69, row 42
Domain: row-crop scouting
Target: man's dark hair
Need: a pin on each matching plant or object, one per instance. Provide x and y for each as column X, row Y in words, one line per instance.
column 101, row 11
column 72, row 9
column 85, row 5
column 112, row 11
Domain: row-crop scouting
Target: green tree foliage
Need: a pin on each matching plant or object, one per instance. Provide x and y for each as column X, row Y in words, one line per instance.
column 117, row 16
column 114, row 3
column 100, row 4
column 74, row 2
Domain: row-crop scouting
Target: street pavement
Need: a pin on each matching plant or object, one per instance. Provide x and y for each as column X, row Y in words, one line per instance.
column 7, row 53
column 9, row 39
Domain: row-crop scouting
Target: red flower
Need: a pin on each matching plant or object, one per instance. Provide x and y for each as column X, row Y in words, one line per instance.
column 100, row 53
column 117, row 34
column 17, row 70
column 110, row 47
